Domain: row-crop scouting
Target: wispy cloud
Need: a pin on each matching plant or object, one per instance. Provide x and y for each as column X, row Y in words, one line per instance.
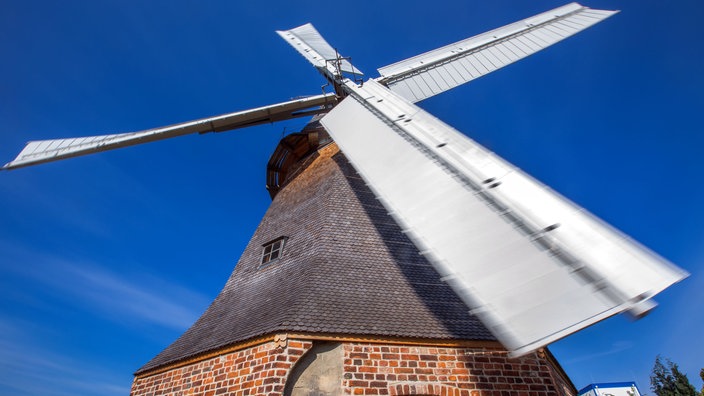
column 30, row 370
column 146, row 299
column 32, row 364
column 616, row 347
column 61, row 197
column 126, row 297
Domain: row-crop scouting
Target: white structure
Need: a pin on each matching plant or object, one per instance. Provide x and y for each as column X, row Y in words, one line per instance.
column 611, row 389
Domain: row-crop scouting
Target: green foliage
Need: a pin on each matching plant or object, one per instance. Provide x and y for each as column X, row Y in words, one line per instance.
column 667, row 380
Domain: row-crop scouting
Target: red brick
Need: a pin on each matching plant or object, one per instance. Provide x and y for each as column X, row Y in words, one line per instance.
column 368, row 370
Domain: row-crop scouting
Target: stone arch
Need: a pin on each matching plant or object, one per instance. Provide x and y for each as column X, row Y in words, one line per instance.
column 318, row 372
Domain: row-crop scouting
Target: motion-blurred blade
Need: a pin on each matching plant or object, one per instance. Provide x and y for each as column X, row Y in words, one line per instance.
column 532, row 265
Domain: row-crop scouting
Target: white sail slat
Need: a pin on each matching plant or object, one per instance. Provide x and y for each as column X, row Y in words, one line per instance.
column 308, row 42
column 511, row 53
column 37, row 152
column 459, row 72
column 532, row 265
column 486, row 52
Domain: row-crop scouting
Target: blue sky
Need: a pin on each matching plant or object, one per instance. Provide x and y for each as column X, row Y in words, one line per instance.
column 106, row 259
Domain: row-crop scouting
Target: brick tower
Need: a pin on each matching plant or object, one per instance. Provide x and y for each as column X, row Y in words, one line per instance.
column 330, row 297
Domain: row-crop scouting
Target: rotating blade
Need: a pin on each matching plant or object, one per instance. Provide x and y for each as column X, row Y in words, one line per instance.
column 308, row 42
column 40, row 151
column 533, row 266
column 439, row 70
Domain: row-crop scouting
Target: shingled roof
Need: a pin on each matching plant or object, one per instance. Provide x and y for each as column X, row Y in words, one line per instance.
column 346, row 269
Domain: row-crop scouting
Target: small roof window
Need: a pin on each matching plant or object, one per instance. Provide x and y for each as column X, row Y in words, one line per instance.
column 273, row 249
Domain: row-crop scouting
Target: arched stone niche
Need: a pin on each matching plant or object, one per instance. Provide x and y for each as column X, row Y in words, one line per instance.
column 318, row 372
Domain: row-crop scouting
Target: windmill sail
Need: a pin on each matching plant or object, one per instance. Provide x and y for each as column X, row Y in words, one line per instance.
column 434, row 72
column 532, row 265
column 308, row 42
column 41, row 151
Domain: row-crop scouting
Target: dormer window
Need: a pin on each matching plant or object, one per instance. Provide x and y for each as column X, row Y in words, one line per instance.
column 272, row 250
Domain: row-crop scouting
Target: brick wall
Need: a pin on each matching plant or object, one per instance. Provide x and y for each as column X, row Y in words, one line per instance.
column 258, row 370
column 372, row 369
column 368, row 369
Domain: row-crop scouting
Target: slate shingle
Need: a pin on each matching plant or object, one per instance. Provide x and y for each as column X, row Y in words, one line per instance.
column 346, row 268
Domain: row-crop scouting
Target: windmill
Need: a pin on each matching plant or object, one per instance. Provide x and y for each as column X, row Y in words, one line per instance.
column 449, row 195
